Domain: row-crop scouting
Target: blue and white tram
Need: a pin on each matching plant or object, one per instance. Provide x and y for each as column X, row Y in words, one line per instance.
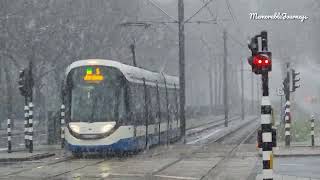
column 115, row 107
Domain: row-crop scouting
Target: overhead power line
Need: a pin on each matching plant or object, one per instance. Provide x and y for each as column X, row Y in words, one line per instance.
column 163, row 11
column 197, row 12
column 221, row 29
column 230, row 11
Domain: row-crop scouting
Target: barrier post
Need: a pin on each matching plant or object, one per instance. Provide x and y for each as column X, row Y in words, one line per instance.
column 9, row 135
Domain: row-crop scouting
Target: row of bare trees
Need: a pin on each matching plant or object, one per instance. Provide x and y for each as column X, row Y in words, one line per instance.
column 53, row 34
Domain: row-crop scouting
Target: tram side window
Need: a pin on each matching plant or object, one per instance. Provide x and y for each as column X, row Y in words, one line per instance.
column 176, row 93
column 163, row 103
column 153, row 108
column 172, row 104
column 121, row 106
column 137, row 102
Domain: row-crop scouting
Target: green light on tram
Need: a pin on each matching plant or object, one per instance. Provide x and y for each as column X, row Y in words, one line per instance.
column 89, row 70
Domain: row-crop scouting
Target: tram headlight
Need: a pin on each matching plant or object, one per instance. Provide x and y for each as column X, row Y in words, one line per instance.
column 75, row 128
column 106, row 128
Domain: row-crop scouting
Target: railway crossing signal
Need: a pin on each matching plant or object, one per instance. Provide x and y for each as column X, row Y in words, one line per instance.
column 286, row 88
column 294, row 80
column 26, row 84
column 22, row 82
column 261, row 63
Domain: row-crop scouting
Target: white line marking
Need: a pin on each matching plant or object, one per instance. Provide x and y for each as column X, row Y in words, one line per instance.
column 205, row 137
column 177, row 177
column 128, row 175
column 291, row 164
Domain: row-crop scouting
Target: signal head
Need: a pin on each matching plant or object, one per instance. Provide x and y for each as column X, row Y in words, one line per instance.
column 261, row 63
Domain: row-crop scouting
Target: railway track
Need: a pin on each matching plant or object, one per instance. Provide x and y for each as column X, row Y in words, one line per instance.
column 241, row 133
column 242, row 140
column 207, row 126
column 247, row 127
column 233, row 136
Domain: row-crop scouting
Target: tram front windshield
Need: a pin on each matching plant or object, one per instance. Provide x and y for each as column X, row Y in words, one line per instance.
column 96, row 94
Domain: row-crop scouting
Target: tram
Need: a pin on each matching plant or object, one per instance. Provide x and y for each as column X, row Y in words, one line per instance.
column 114, row 107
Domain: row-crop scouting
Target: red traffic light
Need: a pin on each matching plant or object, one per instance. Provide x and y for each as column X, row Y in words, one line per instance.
column 261, row 60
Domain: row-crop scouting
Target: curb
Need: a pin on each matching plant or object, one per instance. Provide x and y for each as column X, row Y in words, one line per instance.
column 28, row 158
column 296, row 155
column 293, row 155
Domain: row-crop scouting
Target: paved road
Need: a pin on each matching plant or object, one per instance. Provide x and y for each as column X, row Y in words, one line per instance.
column 307, row 167
column 192, row 162
column 298, row 166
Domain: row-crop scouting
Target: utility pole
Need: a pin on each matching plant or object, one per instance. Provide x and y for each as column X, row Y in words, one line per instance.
column 210, row 87
column 182, row 68
column 242, row 91
column 252, row 95
column 225, row 79
column 220, row 84
column 258, row 96
column 133, row 51
column 281, row 110
column 216, row 102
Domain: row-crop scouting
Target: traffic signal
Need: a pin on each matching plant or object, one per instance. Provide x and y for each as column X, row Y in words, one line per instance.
column 294, row 80
column 25, row 82
column 22, row 82
column 254, row 47
column 285, row 83
column 261, row 62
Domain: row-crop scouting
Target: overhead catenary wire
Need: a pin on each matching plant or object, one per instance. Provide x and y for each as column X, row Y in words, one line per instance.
column 197, row 12
column 163, row 11
column 209, row 10
column 230, row 11
column 234, row 19
column 210, row 21
column 221, row 29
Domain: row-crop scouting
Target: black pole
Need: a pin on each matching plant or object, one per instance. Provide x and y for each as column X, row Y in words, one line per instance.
column 242, row 92
column 287, row 108
column 133, row 50
column 168, row 114
column 225, row 80
column 312, row 131
column 265, row 84
column 210, row 88
column 146, row 113
column 252, row 94
column 182, row 68
column 159, row 113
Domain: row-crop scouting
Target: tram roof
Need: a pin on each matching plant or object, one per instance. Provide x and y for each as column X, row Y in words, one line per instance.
column 131, row 73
